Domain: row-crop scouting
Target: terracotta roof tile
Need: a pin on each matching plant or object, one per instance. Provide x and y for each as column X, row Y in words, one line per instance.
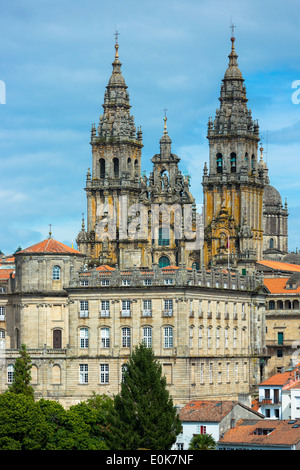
column 280, row 432
column 281, row 379
column 280, row 266
column 206, row 410
column 49, row 246
column 277, row 285
column 5, row 273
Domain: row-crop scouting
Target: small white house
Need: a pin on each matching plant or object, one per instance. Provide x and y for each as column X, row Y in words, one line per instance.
column 210, row 417
column 279, row 395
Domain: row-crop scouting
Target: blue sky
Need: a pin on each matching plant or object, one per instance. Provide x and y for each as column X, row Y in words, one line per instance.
column 55, row 62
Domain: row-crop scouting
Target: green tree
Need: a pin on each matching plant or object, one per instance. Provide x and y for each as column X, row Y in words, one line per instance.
column 202, row 442
column 96, row 412
column 143, row 416
column 22, row 374
column 67, row 429
column 22, row 424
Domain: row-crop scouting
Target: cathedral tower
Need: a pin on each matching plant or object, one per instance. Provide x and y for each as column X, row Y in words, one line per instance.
column 233, row 185
column 113, row 184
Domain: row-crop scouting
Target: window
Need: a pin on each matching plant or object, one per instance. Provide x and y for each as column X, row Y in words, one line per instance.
column 105, row 282
column 84, row 282
column 83, row 373
column 147, row 336
column 116, row 167
column 10, row 374
column 201, row 429
column 84, row 308
column 271, row 305
column 125, row 308
column 102, row 167
column 104, row 373
column 280, row 338
column 168, row 307
column 56, row 273
column 123, row 370
column 147, row 308
column 126, row 282
column 219, row 163
column 233, row 162
column 126, row 337
column 271, row 243
column 147, row 282
column 163, row 261
column 84, row 338
column 168, row 282
column 163, row 236
column 2, row 313
column 2, row 339
column 105, row 338
column 104, row 308
column 168, row 337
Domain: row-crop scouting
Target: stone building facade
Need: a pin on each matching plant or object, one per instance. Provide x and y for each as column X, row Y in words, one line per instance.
column 207, row 329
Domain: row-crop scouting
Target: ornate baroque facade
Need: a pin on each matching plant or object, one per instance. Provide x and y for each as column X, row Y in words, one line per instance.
column 140, row 273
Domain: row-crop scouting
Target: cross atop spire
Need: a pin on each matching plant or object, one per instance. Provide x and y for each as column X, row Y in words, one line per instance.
column 232, row 26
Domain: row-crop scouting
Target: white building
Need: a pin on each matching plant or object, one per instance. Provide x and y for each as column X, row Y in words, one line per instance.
column 210, row 417
column 279, row 395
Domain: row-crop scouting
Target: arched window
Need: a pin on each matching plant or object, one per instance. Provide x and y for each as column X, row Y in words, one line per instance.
column 168, row 337
column 102, row 167
column 56, row 374
column 233, row 162
column 104, row 333
column 2, row 339
column 84, row 338
column 10, row 373
column 116, row 167
column 56, row 273
column 163, row 261
column 271, row 243
column 136, row 167
column 147, row 336
column 252, row 162
column 271, row 305
column 126, row 337
column 219, row 163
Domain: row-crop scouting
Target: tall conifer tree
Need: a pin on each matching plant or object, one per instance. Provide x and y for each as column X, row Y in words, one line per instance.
column 144, row 416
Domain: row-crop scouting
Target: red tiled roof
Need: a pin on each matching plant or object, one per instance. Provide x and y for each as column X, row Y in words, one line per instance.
column 277, row 285
column 5, row 273
column 49, row 246
column 280, row 266
column 206, row 410
column 104, row 267
column 281, row 378
column 281, row 432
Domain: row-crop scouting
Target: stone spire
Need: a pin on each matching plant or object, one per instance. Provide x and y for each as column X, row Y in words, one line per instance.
column 116, row 121
column 233, row 116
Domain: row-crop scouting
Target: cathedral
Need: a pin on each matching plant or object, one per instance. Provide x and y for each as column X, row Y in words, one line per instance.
column 148, row 267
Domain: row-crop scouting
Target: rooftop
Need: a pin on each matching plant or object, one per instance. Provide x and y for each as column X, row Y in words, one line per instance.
column 266, row 432
column 208, row 410
column 49, row 246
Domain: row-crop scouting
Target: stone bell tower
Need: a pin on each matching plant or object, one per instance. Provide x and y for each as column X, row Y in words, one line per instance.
column 233, row 184
column 113, row 184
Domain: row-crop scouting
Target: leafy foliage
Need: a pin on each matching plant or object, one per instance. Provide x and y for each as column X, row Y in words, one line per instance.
column 22, row 375
column 202, row 442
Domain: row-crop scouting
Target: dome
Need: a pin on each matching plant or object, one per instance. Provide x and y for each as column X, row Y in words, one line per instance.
column 272, row 196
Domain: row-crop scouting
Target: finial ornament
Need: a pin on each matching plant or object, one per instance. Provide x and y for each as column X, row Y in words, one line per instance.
column 165, row 121
column 50, row 232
